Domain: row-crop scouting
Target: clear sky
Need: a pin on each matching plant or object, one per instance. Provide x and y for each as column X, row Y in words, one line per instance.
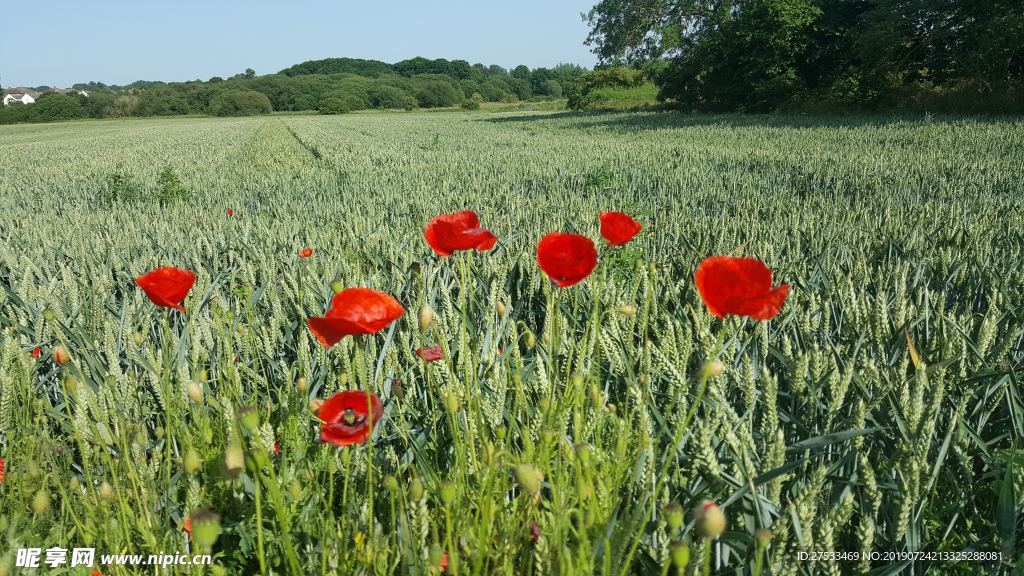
column 61, row 42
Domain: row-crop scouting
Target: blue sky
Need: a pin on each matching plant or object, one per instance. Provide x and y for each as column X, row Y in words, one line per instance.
column 60, row 42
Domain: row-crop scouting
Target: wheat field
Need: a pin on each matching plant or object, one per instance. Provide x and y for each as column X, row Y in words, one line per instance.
column 878, row 417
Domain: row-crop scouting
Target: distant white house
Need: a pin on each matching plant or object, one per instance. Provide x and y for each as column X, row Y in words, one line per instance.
column 27, row 96
column 23, row 95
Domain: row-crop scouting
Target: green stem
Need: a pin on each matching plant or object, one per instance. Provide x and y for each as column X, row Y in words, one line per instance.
column 707, row 557
column 259, row 525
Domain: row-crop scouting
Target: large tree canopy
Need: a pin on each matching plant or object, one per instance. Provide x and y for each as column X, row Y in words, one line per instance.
column 767, row 54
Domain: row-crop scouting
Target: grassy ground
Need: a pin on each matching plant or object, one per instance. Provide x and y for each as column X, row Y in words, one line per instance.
column 894, row 234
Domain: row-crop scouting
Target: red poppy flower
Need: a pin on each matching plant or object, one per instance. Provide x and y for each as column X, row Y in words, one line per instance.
column 231, row 212
column 739, row 286
column 534, row 531
column 36, row 352
column 306, row 253
column 167, row 286
column 349, row 417
column 187, row 527
column 96, row 573
column 3, row 468
column 277, row 449
column 355, row 311
column 618, row 227
column 430, row 353
column 566, row 258
column 459, row 231
column 443, row 563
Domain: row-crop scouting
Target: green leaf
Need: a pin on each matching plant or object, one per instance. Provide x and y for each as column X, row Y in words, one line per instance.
column 829, row 439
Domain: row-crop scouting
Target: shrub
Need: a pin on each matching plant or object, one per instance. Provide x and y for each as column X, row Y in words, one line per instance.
column 437, row 93
column 240, row 103
column 335, row 105
column 385, row 96
column 619, row 77
column 169, row 187
column 52, row 106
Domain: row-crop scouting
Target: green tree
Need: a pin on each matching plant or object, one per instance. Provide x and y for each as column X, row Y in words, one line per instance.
column 240, row 103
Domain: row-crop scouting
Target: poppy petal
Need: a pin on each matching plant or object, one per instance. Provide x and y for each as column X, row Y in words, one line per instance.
column 167, row 286
column 618, row 228
column 739, row 286
column 355, row 311
column 363, row 408
column 449, row 233
column 566, row 258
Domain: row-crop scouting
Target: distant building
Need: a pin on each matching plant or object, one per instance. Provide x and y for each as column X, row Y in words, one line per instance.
column 23, row 95
column 69, row 91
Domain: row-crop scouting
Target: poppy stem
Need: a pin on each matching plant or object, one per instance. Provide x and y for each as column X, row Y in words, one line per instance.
column 704, row 376
column 259, row 523
column 330, row 509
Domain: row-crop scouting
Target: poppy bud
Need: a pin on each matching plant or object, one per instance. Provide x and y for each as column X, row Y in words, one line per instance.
column 446, row 490
column 530, row 478
column 48, row 314
column 337, row 286
column 248, row 418
column 626, row 310
column 205, row 528
column 71, row 384
column 711, row 520
column 106, row 491
column 295, row 490
column 435, row 554
column 763, row 536
column 192, row 461
column 712, row 369
column 680, row 554
column 234, row 461
column 195, row 392
column 138, row 338
column 673, row 516
column 530, row 340
column 452, row 402
column 416, row 489
column 302, row 384
column 41, row 501
column 500, row 308
column 74, row 484
column 60, row 355
column 583, row 452
column 391, row 483
column 426, row 317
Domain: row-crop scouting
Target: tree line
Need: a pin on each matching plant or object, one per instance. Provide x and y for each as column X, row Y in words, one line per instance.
column 330, row 86
column 763, row 55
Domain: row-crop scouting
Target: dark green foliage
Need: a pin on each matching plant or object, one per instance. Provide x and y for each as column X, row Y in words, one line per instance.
column 169, row 187
column 437, row 92
column 370, row 68
column 120, row 187
column 49, row 107
column 359, row 84
column 761, row 55
column 335, row 105
column 241, row 103
column 389, row 97
column 582, row 95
